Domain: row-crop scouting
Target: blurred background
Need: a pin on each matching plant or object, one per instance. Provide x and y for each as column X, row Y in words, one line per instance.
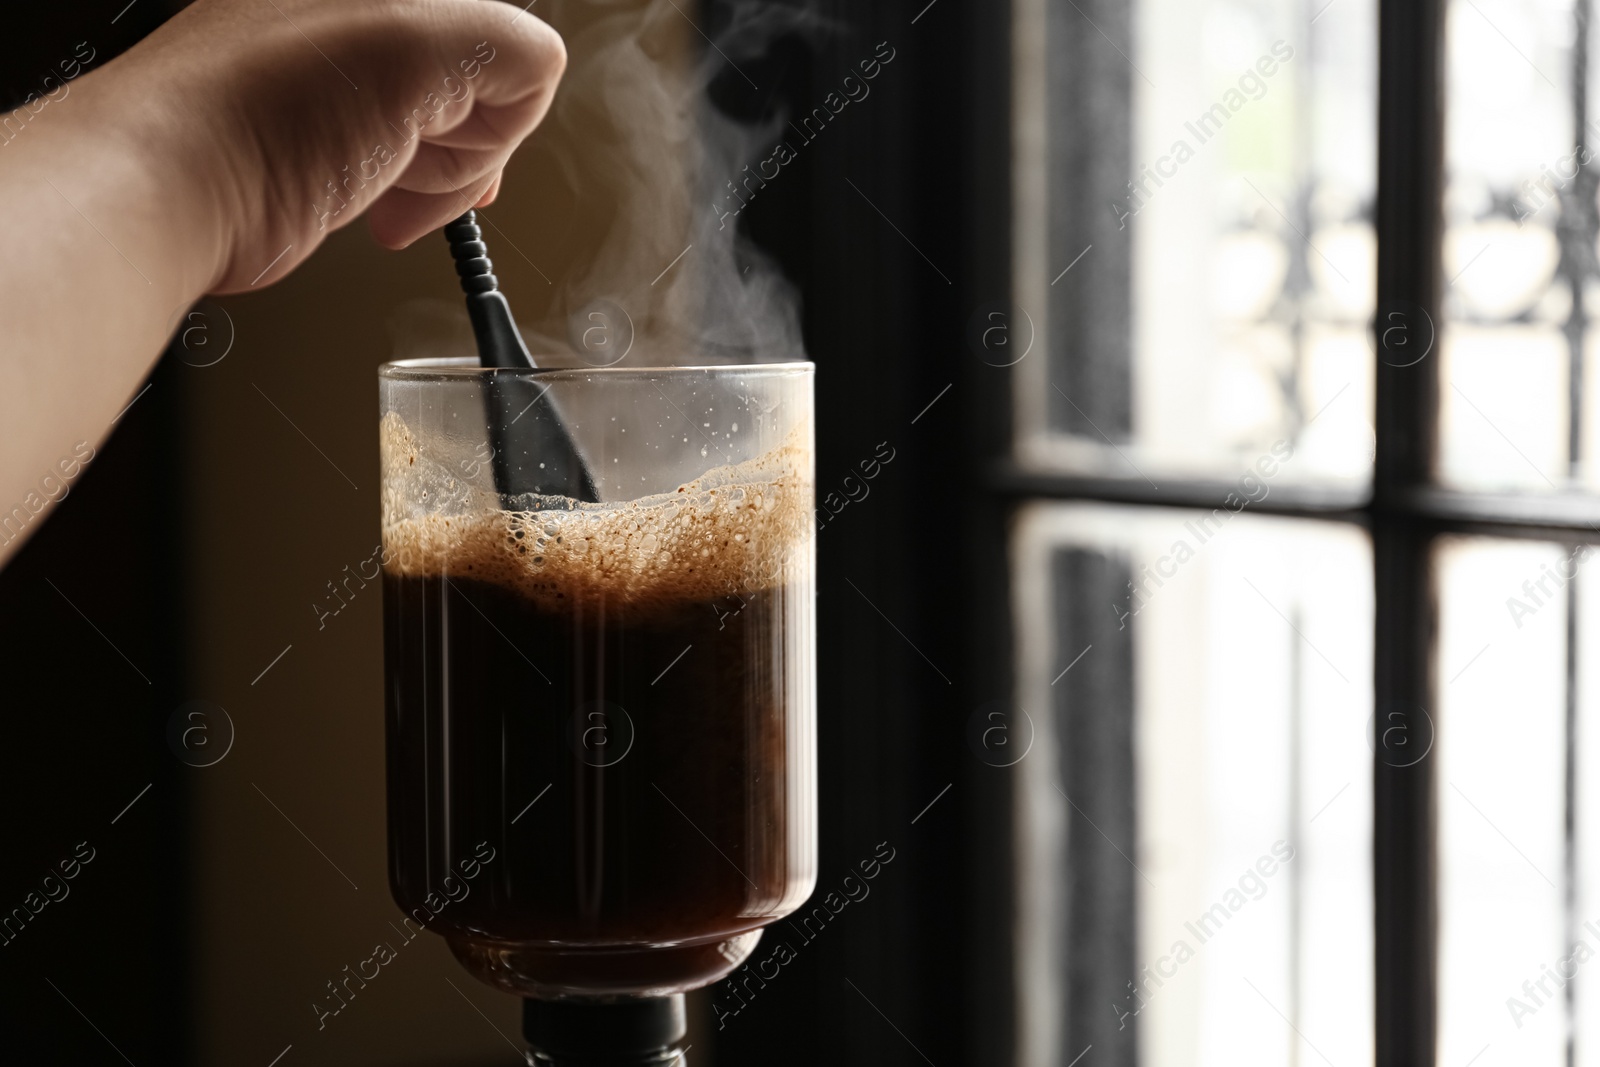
column 1210, row 653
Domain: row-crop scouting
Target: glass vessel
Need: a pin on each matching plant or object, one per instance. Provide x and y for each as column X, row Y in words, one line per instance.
column 599, row 667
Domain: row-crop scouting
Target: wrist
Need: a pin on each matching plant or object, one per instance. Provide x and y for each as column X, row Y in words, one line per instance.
column 161, row 159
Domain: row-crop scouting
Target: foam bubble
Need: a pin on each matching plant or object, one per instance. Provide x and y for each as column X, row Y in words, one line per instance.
column 734, row 530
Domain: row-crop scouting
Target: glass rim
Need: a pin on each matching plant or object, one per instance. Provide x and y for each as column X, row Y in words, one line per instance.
column 442, row 368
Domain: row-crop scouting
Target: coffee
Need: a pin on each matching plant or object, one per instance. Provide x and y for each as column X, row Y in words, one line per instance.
column 618, row 698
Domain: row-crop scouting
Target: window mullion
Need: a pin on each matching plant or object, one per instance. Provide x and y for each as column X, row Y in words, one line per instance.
column 1409, row 224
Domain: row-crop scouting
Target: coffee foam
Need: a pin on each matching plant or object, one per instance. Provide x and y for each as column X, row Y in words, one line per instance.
column 734, row 530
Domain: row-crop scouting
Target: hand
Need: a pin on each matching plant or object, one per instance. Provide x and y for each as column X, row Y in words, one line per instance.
column 215, row 156
column 283, row 120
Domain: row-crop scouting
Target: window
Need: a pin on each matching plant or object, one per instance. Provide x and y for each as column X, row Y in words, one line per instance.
column 1205, row 285
column 1302, row 470
column 1196, row 808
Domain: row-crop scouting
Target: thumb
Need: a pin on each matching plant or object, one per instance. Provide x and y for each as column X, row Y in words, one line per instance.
column 462, row 135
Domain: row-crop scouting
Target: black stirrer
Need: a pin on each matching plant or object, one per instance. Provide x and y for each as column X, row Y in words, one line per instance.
column 533, row 452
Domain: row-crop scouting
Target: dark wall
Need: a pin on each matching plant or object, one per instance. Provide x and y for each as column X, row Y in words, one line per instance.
column 894, row 228
column 90, row 646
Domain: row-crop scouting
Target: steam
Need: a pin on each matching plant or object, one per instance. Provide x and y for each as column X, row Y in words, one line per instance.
column 642, row 175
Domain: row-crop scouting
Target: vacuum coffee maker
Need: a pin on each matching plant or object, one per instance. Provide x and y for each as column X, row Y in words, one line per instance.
column 599, row 675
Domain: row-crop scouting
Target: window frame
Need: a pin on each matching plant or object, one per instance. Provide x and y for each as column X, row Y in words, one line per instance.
column 1405, row 511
